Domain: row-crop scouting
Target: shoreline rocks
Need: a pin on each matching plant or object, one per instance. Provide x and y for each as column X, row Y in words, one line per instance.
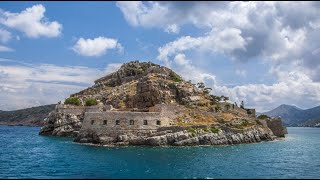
column 180, row 138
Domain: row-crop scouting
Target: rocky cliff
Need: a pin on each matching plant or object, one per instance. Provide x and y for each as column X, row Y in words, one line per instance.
column 189, row 136
column 138, row 86
column 141, row 85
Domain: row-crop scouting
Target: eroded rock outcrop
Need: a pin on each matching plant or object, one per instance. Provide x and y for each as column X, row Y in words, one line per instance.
column 181, row 138
column 62, row 124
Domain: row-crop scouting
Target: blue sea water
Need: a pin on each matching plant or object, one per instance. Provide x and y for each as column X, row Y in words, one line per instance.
column 25, row 154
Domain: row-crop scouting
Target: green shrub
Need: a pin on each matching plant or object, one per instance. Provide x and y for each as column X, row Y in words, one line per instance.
column 175, row 77
column 263, row 116
column 191, row 130
column 243, row 125
column 206, row 130
column 217, row 108
column 73, row 101
column 91, row 102
column 193, row 134
column 214, row 130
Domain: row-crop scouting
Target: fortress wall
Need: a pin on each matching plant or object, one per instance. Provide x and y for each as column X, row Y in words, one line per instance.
column 167, row 112
column 112, row 129
column 69, row 109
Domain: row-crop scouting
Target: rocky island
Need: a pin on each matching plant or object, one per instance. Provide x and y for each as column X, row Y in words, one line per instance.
column 147, row 104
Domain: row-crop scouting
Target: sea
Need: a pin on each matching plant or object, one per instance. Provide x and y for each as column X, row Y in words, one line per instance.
column 25, row 154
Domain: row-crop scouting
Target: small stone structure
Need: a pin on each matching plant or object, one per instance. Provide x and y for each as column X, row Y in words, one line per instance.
column 231, row 107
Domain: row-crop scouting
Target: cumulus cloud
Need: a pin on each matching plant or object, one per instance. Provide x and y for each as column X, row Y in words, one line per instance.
column 27, row 85
column 293, row 87
column 282, row 35
column 96, row 47
column 188, row 71
column 32, row 22
column 224, row 41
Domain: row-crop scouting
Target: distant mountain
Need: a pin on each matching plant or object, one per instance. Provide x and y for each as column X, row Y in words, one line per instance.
column 294, row 116
column 26, row 117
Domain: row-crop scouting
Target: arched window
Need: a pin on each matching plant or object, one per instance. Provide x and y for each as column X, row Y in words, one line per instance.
column 131, row 122
column 104, row 122
column 92, row 122
column 145, row 122
column 117, row 122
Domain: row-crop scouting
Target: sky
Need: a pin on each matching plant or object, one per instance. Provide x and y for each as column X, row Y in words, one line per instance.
column 264, row 53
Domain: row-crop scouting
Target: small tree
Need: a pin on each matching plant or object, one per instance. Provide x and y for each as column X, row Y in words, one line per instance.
column 91, row 102
column 201, row 85
column 242, row 105
column 227, row 106
column 217, row 108
column 263, row 116
column 175, row 77
column 207, row 90
column 72, row 101
column 218, row 98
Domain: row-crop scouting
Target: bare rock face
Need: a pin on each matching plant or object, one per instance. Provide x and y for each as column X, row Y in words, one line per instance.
column 276, row 127
column 62, row 124
column 141, row 85
column 181, row 138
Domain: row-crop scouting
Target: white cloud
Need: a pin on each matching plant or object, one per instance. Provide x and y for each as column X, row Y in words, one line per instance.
column 294, row 88
column 32, row 22
column 224, row 41
column 5, row 35
column 96, row 47
column 112, row 68
column 173, row 28
column 189, row 71
column 27, row 85
column 5, row 49
column 282, row 35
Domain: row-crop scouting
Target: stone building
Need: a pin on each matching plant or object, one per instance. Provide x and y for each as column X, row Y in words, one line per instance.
column 104, row 119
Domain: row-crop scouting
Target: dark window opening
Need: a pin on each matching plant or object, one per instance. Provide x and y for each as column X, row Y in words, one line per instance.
column 105, row 122
column 145, row 122
column 131, row 122
column 92, row 121
column 158, row 122
column 117, row 122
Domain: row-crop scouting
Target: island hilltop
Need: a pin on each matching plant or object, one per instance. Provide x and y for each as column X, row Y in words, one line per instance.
column 147, row 104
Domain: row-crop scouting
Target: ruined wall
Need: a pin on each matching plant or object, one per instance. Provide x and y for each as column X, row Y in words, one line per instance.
column 168, row 112
column 233, row 108
column 251, row 112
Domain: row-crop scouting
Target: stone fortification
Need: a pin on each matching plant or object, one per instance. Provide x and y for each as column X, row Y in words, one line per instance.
column 143, row 103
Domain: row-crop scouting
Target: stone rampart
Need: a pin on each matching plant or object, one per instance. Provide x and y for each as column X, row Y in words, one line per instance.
column 114, row 123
